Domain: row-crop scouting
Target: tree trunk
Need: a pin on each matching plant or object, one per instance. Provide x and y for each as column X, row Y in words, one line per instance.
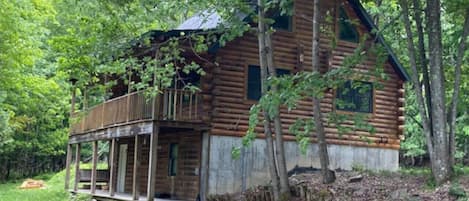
column 422, row 59
column 280, row 150
column 267, row 128
column 415, row 80
column 327, row 175
column 457, row 81
column 440, row 165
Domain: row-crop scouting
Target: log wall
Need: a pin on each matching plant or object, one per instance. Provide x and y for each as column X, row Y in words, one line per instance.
column 230, row 108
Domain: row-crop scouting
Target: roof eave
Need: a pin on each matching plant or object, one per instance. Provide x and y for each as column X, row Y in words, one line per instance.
column 364, row 17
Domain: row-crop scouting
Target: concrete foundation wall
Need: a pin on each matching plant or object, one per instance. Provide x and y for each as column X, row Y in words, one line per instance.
column 227, row 175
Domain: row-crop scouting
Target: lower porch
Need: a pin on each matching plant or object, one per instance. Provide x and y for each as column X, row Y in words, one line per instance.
column 165, row 164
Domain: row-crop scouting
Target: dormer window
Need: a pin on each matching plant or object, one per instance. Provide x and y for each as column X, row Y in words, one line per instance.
column 347, row 30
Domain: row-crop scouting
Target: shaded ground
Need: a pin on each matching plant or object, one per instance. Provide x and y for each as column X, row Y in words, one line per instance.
column 385, row 186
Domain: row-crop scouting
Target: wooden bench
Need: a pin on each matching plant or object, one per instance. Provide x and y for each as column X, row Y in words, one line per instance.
column 102, row 177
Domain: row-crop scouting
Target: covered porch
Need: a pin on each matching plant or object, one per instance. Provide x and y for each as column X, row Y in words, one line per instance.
column 155, row 147
column 145, row 162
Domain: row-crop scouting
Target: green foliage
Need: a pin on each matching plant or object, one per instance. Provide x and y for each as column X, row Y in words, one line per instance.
column 414, row 144
column 33, row 96
column 457, row 191
column 392, row 29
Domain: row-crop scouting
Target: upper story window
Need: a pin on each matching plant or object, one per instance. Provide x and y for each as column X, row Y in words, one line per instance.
column 347, row 30
column 282, row 22
column 355, row 96
column 253, row 91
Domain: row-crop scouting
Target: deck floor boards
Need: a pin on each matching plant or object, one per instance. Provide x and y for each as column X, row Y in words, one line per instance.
column 118, row 196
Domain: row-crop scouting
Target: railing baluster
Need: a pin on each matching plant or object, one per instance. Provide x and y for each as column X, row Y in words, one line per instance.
column 175, row 104
column 190, row 106
column 196, row 106
column 181, row 98
column 128, row 109
column 170, row 107
column 165, row 105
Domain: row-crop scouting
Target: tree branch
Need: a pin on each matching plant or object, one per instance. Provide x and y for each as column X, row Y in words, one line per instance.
column 457, row 81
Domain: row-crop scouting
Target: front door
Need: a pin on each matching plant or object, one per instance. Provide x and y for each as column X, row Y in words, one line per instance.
column 121, row 168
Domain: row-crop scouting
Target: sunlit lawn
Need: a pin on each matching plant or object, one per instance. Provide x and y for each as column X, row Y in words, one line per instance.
column 54, row 190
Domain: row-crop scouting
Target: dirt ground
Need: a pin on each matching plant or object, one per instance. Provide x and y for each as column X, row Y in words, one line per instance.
column 385, row 186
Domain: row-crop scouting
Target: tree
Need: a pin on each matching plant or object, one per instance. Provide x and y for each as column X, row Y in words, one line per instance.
column 432, row 104
column 263, row 54
column 276, row 157
column 33, row 117
column 327, row 175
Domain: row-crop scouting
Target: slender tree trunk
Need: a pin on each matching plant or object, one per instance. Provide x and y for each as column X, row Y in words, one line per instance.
column 267, row 127
column 327, row 175
column 457, row 82
column 441, row 161
column 416, row 82
column 280, row 150
column 422, row 57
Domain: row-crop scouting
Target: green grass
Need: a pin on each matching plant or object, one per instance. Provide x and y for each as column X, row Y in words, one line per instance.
column 54, row 190
column 99, row 166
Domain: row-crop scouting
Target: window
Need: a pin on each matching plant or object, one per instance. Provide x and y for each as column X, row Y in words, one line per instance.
column 254, row 81
column 173, row 158
column 282, row 22
column 355, row 96
column 347, row 31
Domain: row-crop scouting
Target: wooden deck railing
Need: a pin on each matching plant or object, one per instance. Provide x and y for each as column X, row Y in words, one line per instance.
column 171, row 105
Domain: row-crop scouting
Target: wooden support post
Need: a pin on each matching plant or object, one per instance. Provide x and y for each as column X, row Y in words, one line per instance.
column 67, row 166
column 153, row 155
column 135, row 179
column 112, row 167
column 93, row 167
column 204, row 166
column 77, row 166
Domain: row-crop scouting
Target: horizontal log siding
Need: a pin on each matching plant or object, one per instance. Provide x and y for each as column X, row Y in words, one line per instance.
column 231, row 109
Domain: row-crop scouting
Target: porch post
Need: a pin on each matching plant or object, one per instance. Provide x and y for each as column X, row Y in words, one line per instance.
column 112, row 168
column 67, row 166
column 204, row 166
column 135, row 179
column 153, row 155
column 93, row 167
column 77, row 166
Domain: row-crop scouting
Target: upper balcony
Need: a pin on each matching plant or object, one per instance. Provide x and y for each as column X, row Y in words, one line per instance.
column 173, row 105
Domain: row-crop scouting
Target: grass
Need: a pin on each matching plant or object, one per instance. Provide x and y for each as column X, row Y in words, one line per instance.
column 54, row 190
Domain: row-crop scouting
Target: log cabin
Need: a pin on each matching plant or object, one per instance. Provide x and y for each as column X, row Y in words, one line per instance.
column 178, row 145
